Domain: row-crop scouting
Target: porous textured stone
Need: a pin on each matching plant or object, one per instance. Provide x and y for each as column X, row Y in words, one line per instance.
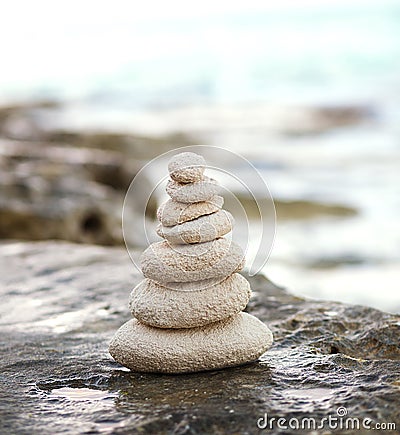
column 202, row 229
column 172, row 212
column 188, row 311
column 193, row 285
column 239, row 339
column 164, row 263
column 198, row 191
column 162, row 307
column 187, row 167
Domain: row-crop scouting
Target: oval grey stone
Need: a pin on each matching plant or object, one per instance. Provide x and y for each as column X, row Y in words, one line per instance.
column 173, row 212
column 202, row 229
column 163, row 262
column 161, row 307
column 199, row 191
column 187, row 167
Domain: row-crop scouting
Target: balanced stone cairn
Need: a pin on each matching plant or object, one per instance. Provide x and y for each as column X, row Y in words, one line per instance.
column 188, row 310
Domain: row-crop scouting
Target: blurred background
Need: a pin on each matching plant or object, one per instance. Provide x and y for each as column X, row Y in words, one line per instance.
column 307, row 90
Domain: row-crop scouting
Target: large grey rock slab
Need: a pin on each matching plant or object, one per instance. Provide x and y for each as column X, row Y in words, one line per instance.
column 61, row 304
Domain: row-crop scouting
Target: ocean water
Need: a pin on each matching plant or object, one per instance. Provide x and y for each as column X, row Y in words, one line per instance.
column 130, row 54
column 222, row 70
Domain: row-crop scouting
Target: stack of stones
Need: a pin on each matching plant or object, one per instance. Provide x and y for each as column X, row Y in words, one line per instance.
column 188, row 310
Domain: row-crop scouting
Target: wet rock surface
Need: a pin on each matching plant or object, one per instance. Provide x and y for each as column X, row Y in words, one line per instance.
column 61, row 304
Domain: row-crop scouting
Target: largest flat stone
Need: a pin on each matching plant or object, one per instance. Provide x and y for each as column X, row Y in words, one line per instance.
column 237, row 340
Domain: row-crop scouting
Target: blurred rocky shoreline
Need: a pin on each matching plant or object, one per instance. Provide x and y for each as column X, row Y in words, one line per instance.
column 70, row 184
column 64, row 184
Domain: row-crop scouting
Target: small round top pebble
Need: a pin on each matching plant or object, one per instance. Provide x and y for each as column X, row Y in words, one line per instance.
column 187, row 167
